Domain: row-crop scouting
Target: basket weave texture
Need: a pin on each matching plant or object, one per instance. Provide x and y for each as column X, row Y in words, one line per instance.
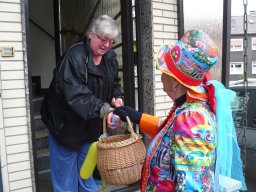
column 120, row 157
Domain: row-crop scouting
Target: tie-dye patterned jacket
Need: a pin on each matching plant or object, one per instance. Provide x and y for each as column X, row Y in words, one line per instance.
column 180, row 156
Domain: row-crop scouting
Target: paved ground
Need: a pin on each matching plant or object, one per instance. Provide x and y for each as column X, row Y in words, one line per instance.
column 44, row 185
column 111, row 188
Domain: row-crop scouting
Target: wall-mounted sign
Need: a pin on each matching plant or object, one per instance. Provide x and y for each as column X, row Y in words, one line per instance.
column 7, row 51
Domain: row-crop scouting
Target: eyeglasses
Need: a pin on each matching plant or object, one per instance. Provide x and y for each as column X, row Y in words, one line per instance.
column 110, row 41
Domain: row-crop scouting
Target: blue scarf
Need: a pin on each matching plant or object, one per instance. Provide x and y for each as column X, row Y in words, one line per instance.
column 228, row 159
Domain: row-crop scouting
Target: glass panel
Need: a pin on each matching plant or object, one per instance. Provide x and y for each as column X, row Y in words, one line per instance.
column 236, row 42
column 76, row 18
column 237, row 107
column 1, row 184
column 253, row 43
column 206, row 15
column 254, row 67
column 237, row 85
column 236, row 68
column 236, row 45
column 237, row 34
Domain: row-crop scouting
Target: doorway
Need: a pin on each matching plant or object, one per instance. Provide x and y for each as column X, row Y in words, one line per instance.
column 53, row 27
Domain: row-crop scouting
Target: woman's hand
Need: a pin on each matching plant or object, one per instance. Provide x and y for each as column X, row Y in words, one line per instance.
column 114, row 122
column 117, row 102
column 110, row 124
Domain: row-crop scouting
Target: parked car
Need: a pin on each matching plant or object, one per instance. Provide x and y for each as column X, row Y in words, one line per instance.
column 250, row 131
column 237, row 106
column 240, row 83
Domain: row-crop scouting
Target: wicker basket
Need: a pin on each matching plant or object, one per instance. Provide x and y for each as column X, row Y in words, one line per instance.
column 120, row 157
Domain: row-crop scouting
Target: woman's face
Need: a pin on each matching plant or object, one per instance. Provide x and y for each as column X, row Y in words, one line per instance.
column 168, row 83
column 100, row 44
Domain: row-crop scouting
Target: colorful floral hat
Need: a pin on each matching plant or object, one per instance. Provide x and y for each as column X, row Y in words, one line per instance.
column 189, row 59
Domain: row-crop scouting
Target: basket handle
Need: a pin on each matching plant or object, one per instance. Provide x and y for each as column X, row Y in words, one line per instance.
column 127, row 118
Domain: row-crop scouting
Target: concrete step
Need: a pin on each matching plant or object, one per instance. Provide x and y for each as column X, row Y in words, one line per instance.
column 42, row 142
column 38, row 123
column 37, row 103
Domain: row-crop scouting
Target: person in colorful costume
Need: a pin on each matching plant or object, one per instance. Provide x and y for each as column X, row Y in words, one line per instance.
column 182, row 154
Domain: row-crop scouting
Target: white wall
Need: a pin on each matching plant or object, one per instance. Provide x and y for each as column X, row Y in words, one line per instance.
column 165, row 29
column 41, row 46
column 15, row 156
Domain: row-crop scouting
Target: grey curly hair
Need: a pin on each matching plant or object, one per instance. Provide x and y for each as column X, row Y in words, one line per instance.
column 104, row 25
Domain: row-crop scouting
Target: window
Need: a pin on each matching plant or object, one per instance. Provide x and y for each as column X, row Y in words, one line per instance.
column 236, row 68
column 254, row 67
column 236, row 45
column 253, row 43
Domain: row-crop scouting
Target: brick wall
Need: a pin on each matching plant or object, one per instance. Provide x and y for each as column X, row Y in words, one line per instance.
column 14, row 134
column 165, row 29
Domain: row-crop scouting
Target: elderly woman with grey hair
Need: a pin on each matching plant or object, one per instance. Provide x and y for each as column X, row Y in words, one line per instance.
column 84, row 85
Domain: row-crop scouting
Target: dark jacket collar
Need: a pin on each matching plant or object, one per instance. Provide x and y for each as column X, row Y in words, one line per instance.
column 179, row 101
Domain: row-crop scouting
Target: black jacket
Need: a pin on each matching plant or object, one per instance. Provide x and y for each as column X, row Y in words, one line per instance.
column 71, row 108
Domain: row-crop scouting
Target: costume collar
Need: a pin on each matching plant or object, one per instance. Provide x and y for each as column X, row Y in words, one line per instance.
column 179, row 101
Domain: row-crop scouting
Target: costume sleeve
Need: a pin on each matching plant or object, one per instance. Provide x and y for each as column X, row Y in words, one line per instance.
column 149, row 124
column 72, row 79
column 193, row 141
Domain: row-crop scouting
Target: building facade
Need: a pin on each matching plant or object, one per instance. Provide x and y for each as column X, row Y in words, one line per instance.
column 28, row 40
column 15, row 120
column 237, row 47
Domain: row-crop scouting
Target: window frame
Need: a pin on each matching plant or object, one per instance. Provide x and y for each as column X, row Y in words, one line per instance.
column 233, row 47
column 235, row 63
column 253, row 44
column 253, row 67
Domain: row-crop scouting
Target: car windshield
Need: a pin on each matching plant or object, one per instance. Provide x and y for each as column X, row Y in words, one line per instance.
column 237, row 107
column 240, row 83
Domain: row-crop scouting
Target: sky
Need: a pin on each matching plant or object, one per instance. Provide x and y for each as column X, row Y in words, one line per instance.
column 237, row 7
